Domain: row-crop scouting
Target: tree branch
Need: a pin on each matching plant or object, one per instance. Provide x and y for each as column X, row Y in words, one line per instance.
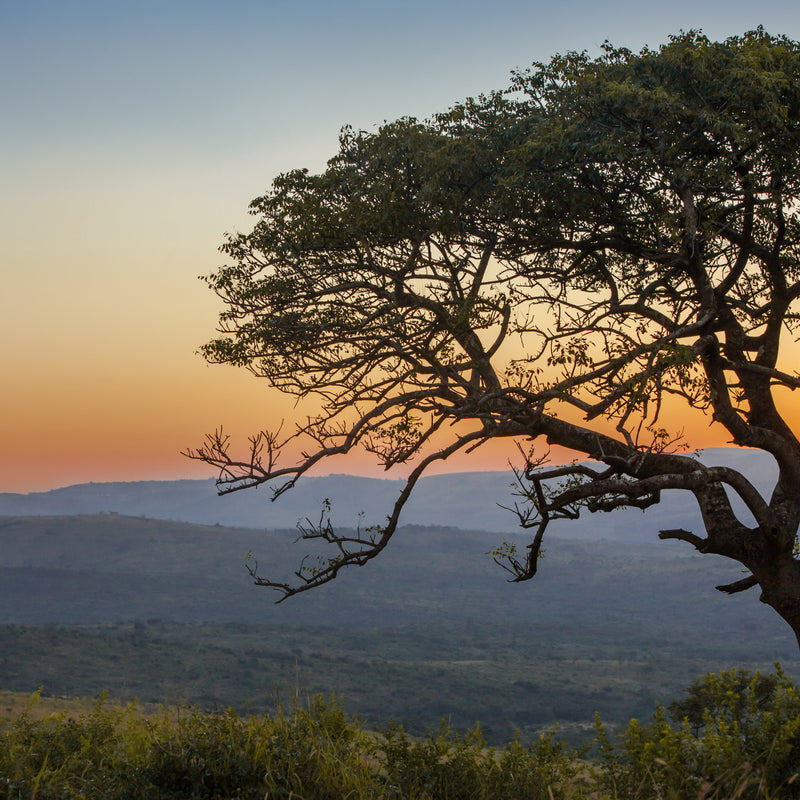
column 738, row 586
column 683, row 536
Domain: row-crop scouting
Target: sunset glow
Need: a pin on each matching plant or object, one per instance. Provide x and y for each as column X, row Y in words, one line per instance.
column 134, row 139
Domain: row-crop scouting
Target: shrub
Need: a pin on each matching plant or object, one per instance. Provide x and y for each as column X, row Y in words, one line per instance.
column 747, row 745
column 60, row 756
column 199, row 755
column 310, row 750
column 449, row 766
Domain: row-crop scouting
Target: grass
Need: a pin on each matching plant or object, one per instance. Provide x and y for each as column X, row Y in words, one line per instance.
column 311, row 749
column 308, row 750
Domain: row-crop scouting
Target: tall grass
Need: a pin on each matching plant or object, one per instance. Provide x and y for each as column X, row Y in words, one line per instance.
column 307, row 751
column 310, row 749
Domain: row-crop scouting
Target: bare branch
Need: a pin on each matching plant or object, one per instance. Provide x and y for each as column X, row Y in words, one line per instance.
column 684, row 536
column 368, row 543
column 738, row 586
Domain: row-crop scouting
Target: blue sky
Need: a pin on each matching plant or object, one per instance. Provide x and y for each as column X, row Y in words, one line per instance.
column 221, row 77
column 133, row 135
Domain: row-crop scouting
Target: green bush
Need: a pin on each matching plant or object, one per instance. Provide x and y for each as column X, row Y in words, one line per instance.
column 449, row 766
column 316, row 753
column 199, row 755
column 730, row 694
column 746, row 744
column 60, row 756
column 309, row 751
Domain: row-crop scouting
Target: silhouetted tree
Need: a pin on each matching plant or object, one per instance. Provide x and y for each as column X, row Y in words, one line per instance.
column 552, row 262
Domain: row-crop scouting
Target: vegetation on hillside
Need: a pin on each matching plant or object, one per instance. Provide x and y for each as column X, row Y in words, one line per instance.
column 488, row 673
column 748, row 749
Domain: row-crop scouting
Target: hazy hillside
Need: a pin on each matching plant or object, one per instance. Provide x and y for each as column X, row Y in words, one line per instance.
column 464, row 500
column 110, row 567
column 165, row 610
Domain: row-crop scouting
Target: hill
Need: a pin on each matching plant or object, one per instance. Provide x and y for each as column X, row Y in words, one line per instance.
column 95, row 568
column 462, row 500
column 165, row 611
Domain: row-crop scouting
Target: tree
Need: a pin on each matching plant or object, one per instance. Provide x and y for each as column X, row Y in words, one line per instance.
column 559, row 261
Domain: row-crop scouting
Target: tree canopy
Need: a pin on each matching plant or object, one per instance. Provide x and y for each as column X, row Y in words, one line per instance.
column 554, row 263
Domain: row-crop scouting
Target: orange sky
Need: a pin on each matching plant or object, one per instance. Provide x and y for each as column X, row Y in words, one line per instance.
column 135, row 135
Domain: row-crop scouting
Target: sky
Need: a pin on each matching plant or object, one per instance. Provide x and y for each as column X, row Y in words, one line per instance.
column 134, row 135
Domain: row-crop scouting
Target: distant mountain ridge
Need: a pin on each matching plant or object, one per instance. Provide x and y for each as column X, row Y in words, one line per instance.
column 468, row 500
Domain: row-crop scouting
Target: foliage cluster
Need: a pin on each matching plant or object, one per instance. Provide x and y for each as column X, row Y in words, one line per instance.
column 749, row 747
column 449, row 765
column 306, row 750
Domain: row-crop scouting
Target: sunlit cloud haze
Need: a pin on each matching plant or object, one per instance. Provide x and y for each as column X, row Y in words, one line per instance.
column 134, row 135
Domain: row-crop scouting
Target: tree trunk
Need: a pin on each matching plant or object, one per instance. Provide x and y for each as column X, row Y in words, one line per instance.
column 780, row 589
